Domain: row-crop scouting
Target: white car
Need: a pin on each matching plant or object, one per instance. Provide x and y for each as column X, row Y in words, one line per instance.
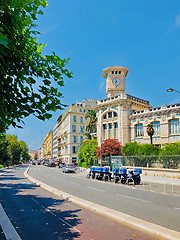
column 68, row 168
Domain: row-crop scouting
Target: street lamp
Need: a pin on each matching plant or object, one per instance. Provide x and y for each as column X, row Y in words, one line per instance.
column 172, row 90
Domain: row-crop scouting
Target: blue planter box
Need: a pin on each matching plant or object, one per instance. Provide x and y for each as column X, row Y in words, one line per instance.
column 115, row 170
column 123, row 170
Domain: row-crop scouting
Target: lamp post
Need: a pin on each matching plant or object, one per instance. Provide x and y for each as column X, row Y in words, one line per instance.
column 172, row 90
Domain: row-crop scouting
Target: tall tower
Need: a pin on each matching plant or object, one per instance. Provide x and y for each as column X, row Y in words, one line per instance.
column 115, row 80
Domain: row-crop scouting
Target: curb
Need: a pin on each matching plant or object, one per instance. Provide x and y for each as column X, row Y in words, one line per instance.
column 151, row 229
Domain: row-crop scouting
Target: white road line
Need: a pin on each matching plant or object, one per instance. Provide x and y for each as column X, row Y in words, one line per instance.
column 49, row 211
column 176, row 208
column 97, row 189
column 7, row 227
column 75, row 183
column 120, row 195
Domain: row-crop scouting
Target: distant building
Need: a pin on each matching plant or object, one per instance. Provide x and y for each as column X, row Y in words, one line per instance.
column 48, row 146
column 71, row 129
column 55, row 148
column 33, row 153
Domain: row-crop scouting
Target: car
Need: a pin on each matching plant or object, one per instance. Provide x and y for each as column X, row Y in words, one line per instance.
column 51, row 164
column 68, row 168
column 61, row 165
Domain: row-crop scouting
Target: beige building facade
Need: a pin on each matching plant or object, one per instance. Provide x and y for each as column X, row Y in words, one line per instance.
column 125, row 117
column 48, row 146
column 71, row 128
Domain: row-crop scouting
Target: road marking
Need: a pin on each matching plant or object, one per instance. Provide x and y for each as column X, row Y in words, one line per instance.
column 49, row 211
column 75, row 183
column 176, row 208
column 97, row 189
column 7, row 227
column 117, row 194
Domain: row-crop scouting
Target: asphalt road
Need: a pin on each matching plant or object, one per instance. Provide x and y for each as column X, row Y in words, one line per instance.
column 160, row 209
column 37, row 214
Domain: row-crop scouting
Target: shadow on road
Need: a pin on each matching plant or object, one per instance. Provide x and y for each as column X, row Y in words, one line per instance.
column 35, row 213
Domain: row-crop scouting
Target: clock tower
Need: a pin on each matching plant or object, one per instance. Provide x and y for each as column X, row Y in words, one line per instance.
column 115, row 80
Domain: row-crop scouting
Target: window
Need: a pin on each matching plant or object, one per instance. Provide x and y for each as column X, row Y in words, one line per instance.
column 116, row 129
column 74, row 118
column 174, row 126
column 156, row 126
column 115, row 114
column 139, row 130
column 80, row 110
column 110, row 114
column 81, row 119
column 115, row 72
column 81, row 139
column 73, row 149
column 75, row 139
column 73, row 128
column 105, row 131
column 119, row 72
column 105, row 116
column 112, row 72
column 82, row 129
column 110, row 131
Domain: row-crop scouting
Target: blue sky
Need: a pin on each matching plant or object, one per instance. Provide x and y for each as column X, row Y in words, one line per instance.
column 142, row 35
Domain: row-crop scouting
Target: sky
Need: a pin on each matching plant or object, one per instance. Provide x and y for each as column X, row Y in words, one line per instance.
column 142, row 35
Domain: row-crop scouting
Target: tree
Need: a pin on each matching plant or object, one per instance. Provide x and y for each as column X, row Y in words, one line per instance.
column 110, row 147
column 87, row 151
column 29, row 81
column 140, row 155
column 91, row 126
column 24, row 151
column 170, row 155
column 14, row 149
column 3, row 149
column 150, row 131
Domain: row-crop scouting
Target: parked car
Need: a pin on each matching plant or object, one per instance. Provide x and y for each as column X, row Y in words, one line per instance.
column 51, row 164
column 68, row 168
column 61, row 165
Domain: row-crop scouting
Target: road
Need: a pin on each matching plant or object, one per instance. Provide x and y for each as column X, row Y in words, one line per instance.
column 37, row 214
column 160, row 209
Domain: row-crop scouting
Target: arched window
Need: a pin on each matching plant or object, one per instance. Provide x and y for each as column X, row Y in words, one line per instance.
column 157, row 129
column 174, row 126
column 139, row 130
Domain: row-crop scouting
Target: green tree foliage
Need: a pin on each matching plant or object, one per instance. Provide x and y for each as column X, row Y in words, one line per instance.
column 109, row 147
column 91, row 126
column 141, row 155
column 11, row 150
column 14, row 149
column 29, row 81
column 24, row 151
column 87, row 151
column 150, row 131
column 170, row 155
column 3, row 149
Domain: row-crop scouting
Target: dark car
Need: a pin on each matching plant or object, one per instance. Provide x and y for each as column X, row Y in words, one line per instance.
column 61, row 165
column 51, row 164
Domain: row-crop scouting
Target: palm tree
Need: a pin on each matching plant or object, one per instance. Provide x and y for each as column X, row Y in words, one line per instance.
column 150, row 131
column 91, row 126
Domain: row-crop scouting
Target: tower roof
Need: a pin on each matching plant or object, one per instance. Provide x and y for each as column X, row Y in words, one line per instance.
column 115, row 68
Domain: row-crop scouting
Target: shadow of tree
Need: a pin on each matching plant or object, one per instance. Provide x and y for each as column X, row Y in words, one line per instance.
column 35, row 213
